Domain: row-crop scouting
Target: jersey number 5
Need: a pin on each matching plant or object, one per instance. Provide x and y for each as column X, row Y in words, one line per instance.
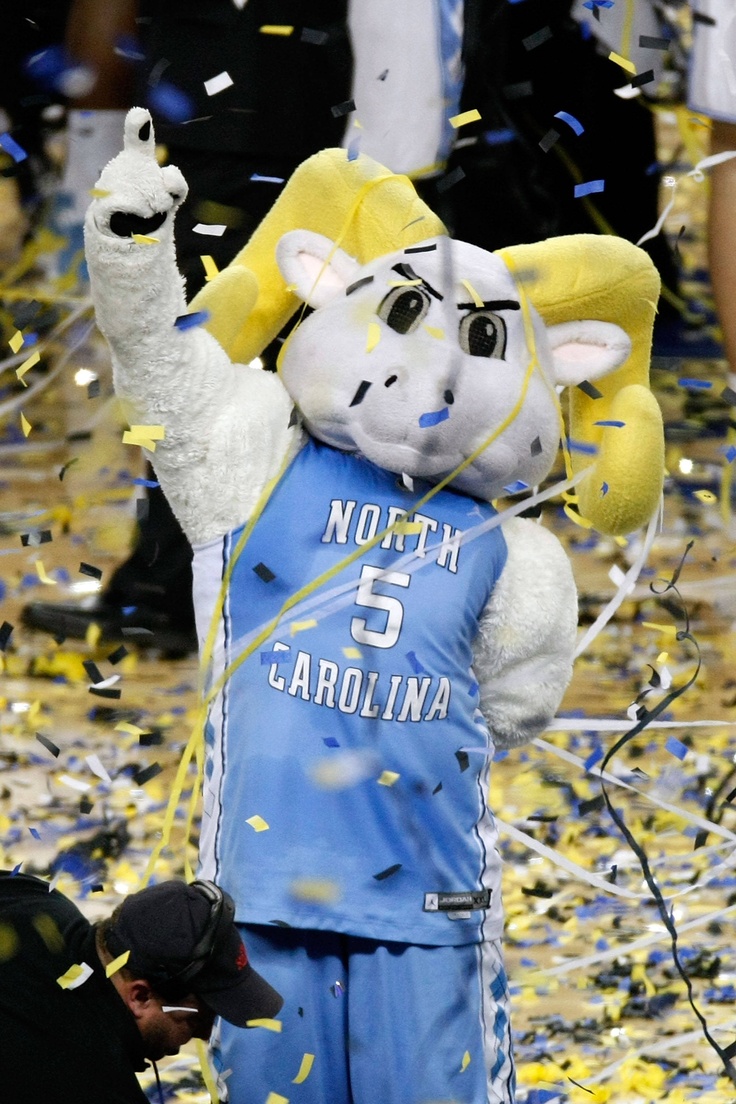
column 370, row 599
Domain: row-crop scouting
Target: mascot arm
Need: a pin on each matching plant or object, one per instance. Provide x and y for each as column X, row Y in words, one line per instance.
column 524, row 649
column 226, row 427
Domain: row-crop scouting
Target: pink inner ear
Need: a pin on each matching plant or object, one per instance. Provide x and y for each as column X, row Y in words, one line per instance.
column 316, row 269
column 577, row 350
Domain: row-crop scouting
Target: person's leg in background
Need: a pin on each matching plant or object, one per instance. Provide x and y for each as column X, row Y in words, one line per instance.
column 722, row 238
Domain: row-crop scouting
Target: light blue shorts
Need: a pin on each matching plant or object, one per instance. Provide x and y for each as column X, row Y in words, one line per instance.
column 712, row 77
column 387, row 1023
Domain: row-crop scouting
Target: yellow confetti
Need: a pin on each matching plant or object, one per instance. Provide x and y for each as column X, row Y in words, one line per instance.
column 318, row 890
column 300, row 626
column 117, row 964
column 406, row 528
column 145, row 239
column 263, row 1021
column 352, row 653
column 20, row 372
column 131, row 729
column 472, row 292
column 144, row 435
column 75, row 976
column 404, row 283
column 374, row 336
column 470, row 116
column 387, row 778
column 8, row 942
column 276, row 29
column 46, row 927
column 25, row 425
column 93, row 634
column 41, row 572
column 670, row 629
column 16, row 341
column 304, row 1069
column 435, row 331
column 465, row 1062
column 35, row 711
column 99, row 193
column 621, row 541
column 663, row 657
column 257, row 823
column 622, row 61
column 274, row 1098
column 210, row 268
column 705, row 496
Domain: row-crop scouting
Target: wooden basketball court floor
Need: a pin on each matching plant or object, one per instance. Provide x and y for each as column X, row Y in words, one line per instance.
column 601, row 1010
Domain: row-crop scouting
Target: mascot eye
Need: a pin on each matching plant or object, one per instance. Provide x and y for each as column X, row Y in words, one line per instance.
column 404, row 308
column 483, row 334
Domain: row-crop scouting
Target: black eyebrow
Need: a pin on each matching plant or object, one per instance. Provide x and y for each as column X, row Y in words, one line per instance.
column 491, row 304
column 408, row 273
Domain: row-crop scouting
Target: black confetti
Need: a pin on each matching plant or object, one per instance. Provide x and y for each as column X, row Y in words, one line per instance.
column 437, row 788
column 537, row 890
column 387, row 872
column 105, row 692
column 86, row 806
column 342, row 108
column 93, row 671
column 150, row 739
column 41, row 536
column 382, row 76
column 293, row 418
column 463, row 760
column 316, row 38
column 549, row 140
column 48, row 744
column 449, row 181
column 5, row 630
column 358, row 284
column 518, row 91
column 536, row 447
column 643, row 78
column 647, row 42
column 117, row 655
column 588, row 389
column 145, row 775
column 80, row 435
column 66, row 467
column 88, row 569
column 98, row 888
column 361, row 393
column 264, row 573
column 591, row 806
column 701, row 838
column 420, row 249
column 533, row 40
column 729, row 395
column 701, row 17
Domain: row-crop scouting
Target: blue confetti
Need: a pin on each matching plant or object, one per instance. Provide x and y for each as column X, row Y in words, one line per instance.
column 416, row 666
column 676, row 747
column 279, row 656
column 571, row 121
column 593, row 758
column 589, row 187
column 256, row 178
column 517, row 486
column 729, row 452
column 127, row 610
column 330, row 741
column 171, row 102
column 611, row 422
column 11, row 146
column 604, row 489
column 35, row 833
column 152, row 483
column 16, row 869
column 581, row 446
column 189, row 321
column 694, row 384
column 434, row 417
column 354, row 150
column 499, row 137
column 127, row 46
column 473, row 689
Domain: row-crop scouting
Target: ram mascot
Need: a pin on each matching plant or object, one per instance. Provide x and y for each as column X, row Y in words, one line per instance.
column 370, row 633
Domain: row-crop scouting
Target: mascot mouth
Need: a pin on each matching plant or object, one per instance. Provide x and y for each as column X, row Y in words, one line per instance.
column 406, row 457
column 124, row 224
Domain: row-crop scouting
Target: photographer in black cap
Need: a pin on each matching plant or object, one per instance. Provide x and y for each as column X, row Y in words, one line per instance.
column 71, row 1033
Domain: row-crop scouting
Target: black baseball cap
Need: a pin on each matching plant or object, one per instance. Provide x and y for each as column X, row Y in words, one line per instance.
column 183, row 939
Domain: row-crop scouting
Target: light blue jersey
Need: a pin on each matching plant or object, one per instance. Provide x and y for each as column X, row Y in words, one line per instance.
column 339, row 791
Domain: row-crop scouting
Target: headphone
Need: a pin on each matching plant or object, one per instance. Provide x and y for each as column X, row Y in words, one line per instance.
column 221, row 914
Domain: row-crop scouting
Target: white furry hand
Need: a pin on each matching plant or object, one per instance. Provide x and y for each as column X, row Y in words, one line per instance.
column 137, row 196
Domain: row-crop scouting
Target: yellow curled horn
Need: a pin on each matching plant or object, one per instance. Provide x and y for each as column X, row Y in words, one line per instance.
column 609, row 279
column 359, row 204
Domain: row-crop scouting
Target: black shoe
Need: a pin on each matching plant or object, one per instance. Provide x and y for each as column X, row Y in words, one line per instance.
column 140, row 625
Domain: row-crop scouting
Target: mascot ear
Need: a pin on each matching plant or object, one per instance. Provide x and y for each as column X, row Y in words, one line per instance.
column 586, row 350
column 316, row 269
